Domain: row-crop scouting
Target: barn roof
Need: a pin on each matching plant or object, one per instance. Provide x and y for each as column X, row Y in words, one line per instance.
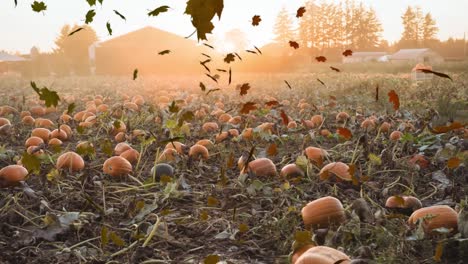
column 368, row 54
column 9, row 58
column 408, row 54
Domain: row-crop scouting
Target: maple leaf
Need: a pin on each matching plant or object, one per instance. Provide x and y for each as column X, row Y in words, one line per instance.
column 91, row 2
column 344, row 132
column 202, row 12
column 109, row 29
column 244, row 88
column 443, row 75
column 71, row 108
column 75, row 31
column 202, row 86
column 164, row 52
column 321, row 59
column 135, row 74
column 272, row 150
column 173, row 108
column 90, row 16
column 256, row 20
column 31, row 162
column 38, row 6
column 159, row 10
column 120, row 15
column 335, row 69
column 50, row 98
column 300, row 12
column 453, row 163
column 347, row 53
column 229, row 58
column 247, row 107
column 394, row 99
column 294, row 44
column 285, row 118
column 186, row 116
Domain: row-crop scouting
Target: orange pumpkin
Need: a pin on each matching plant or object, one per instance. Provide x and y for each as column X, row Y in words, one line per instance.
column 323, row 255
column 33, row 141
column 210, row 127
column 437, row 216
column 117, row 166
column 262, row 167
column 120, row 148
column 315, row 154
column 323, row 212
column 198, row 151
column 396, row 135
column 11, row 175
column 131, row 155
column 71, row 161
column 43, row 133
column 291, row 171
column 339, row 169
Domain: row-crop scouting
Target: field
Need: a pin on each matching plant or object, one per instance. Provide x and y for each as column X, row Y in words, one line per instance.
column 212, row 208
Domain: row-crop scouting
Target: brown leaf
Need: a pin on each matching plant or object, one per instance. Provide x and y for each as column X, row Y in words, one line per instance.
column 394, row 99
column 244, row 88
column 377, row 93
column 272, row 150
column 272, row 103
column 453, row 163
column 335, row 69
column 445, row 129
column 443, row 75
column 321, row 59
column 256, row 20
column 212, row 202
column 294, row 44
column 347, row 53
column 438, row 251
column 211, row 259
column 229, row 58
column 344, row 132
column 300, row 12
column 247, row 107
column 285, row 118
column 287, row 83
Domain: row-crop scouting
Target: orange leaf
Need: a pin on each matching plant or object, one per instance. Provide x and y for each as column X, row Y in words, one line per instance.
column 344, row 132
column 212, row 202
column 300, row 11
column 247, row 107
column 347, row 53
column 294, row 44
column 453, row 163
column 244, row 88
column 438, row 251
column 272, row 150
column 352, row 170
column 445, row 129
column 285, row 118
column 321, row 59
column 272, row 103
column 256, row 20
column 394, row 99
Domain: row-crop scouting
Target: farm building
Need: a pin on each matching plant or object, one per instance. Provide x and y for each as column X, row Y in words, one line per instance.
column 358, row 57
column 426, row 56
column 10, row 62
column 140, row 50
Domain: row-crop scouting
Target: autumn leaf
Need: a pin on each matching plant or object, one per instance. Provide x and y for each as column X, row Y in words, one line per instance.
column 244, row 88
column 256, row 20
column 443, row 75
column 300, row 12
column 321, row 59
column 75, row 31
column 212, row 77
column 120, row 15
column 173, row 108
column 259, row 51
column 394, row 99
column 90, row 16
column 50, row 97
column 335, row 69
column 243, row 228
column 230, row 75
column 453, row 163
column 202, row 86
column 212, row 91
column 159, row 10
column 439, row 250
column 31, row 162
column 203, row 63
column 284, row 117
column 237, row 55
column 272, row 103
column 320, row 81
column 446, row 129
column 345, row 133
column 212, row 202
column 247, row 107
column 135, row 74
column 109, row 29
column 116, row 239
column 347, row 53
column 377, row 93
column 229, row 58
column 209, row 46
column 38, row 6
column 294, row 44
column 91, row 2
column 272, row 150
column 287, row 83
column 211, row 259
column 221, row 70
column 251, row 51
column 164, row 52
column 202, row 12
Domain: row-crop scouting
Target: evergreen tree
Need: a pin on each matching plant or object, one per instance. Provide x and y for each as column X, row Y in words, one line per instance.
column 410, row 34
column 429, row 28
column 284, row 27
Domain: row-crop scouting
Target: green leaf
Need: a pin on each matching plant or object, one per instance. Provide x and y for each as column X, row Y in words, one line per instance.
column 100, row 1
column 159, row 10
column 202, row 12
column 71, row 108
column 120, row 15
column 187, row 116
column 173, row 108
column 106, row 147
column 90, row 16
column 50, row 98
column 91, row 2
column 116, row 239
column 38, row 6
column 109, row 29
column 31, row 162
column 104, row 236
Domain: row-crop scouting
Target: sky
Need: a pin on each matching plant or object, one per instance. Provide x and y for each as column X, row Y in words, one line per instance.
column 21, row 28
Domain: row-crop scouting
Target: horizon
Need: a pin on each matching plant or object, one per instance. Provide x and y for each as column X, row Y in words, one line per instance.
column 41, row 29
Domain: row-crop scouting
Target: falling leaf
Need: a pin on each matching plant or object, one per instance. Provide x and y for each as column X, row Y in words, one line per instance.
column 164, row 52
column 453, row 163
column 229, row 58
column 109, row 29
column 211, row 259
column 90, row 16
column 247, row 107
column 202, row 12
column 173, row 108
column 203, row 63
column 212, row 77
column 185, row 117
column 344, row 132
column 377, row 93
column 230, row 75
column 237, row 55
column 320, row 81
column 209, row 46
column 31, row 162
column 120, row 15
column 321, row 59
column 303, row 237
column 212, row 91
column 50, row 98
column 294, row 44
column 284, row 117
column 335, row 69
column 243, row 228
column 352, row 171
column 256, row 20
column 439, row 250
column 347, row 53
column 38, row 6
column 135, row 74
column 221, row 70
column 244, row 88
column 116, row 239
column 159, row 10
column 206, row 55
column 300, row 12
column 443, row 75
column 202, row 86
column 272, row 103
column 16, row 3
column 287, row 83
column 212, row 202
column 446, row 129
column 272, row 150
column 75, row 31
column 251, row 51
column 71, row 108
column 259, row 51
column 91, row 2
column 394, row 99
